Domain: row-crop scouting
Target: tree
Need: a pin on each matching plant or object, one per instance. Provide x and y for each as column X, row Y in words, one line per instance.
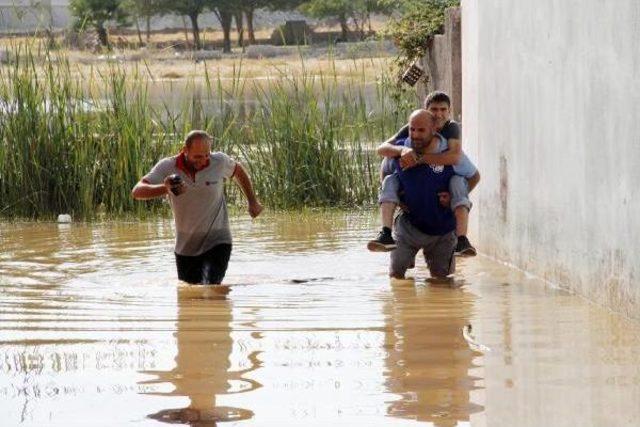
column 247, row 8
column 248, row 14
column 190, row 8
column 361, row 11
column 142, row 9
column 371, row 7
column 358, row 11
column 238, row 15
column 420, row 21
column 225, row 10
column 96, row 13
column 324, row 9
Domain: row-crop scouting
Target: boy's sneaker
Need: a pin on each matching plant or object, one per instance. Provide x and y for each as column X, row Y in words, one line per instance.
column 464, row 248
column 383, row 243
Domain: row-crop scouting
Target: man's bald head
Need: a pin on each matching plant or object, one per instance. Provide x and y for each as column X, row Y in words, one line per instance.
column 421, row 128
column 420, row 114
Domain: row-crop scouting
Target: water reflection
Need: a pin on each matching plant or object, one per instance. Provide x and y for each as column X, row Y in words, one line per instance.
column 428, row 359
column 50, row 255
column 202, row 365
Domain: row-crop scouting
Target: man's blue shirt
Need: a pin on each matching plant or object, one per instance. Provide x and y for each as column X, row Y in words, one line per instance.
column 419, row 188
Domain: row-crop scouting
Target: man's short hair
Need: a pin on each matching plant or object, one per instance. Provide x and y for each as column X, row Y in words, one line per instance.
column 437, row 96
column 197, row 134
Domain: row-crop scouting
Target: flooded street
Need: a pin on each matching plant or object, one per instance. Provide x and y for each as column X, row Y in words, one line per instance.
column 94, row 331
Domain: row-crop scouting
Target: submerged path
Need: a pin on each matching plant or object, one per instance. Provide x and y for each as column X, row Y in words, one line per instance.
column 93, row 331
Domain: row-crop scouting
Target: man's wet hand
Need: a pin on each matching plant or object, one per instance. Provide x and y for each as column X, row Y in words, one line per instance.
column 255, row 208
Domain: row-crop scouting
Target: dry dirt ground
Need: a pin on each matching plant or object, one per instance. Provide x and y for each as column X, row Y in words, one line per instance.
column 363, row 59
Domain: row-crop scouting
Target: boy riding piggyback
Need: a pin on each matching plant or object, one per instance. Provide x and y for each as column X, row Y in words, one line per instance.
column 444, row 148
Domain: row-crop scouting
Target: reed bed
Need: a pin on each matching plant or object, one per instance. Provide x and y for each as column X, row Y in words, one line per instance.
column 77, row 144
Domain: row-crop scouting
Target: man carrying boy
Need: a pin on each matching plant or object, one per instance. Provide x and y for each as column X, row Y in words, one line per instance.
column 425, row 222
column 446, row 151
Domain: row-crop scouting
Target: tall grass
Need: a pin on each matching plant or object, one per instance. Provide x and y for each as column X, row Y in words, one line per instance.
column 77, row 143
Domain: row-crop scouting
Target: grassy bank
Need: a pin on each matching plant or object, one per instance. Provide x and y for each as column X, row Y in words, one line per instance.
column 76, row 140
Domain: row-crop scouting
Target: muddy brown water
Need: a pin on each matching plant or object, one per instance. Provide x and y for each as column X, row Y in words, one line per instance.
column 94, row 332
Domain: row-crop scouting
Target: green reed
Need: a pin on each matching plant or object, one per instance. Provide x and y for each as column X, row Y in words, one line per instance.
column 76, row 142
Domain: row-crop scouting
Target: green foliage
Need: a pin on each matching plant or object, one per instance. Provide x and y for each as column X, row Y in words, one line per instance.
column 326, row 8
column 194, row 8
column 78, row 143
column 334, row 8
column 358, row 11
column 69, row 145
column 143, row 8
column 420, row 20
column 281, row 4
column 185, row 7
column 96, row 12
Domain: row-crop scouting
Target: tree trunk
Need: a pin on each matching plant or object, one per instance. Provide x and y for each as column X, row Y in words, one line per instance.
column 139, row 32
column 249, row 15
column 357, row 25
column 196, row 31
column 148, row 28
column 226, row 18
column 344, row 27
column 186, row 32
column 103, row 37
column 363, row 20
column 239, row 27
column 51, row 40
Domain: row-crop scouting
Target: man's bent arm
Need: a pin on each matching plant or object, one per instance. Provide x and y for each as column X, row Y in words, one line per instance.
column 242, row 178
column 392, row 140
column 450, row 157
column 144, row 190
column 387, row 149
column 401, row 134
column 445, row 158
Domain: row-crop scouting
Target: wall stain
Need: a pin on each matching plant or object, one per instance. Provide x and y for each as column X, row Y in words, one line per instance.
column 504, row 187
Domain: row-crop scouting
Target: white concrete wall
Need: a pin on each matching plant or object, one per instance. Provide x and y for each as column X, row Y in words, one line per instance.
column 551, row 102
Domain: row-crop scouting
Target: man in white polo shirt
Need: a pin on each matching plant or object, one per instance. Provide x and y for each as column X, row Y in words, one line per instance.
column 203, row 237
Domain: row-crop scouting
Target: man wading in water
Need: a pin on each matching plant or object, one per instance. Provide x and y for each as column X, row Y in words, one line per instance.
column 447, row 152
column 426, row 221
column 193, row 180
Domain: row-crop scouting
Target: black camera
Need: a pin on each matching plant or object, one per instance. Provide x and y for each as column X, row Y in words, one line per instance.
column 175, row 180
